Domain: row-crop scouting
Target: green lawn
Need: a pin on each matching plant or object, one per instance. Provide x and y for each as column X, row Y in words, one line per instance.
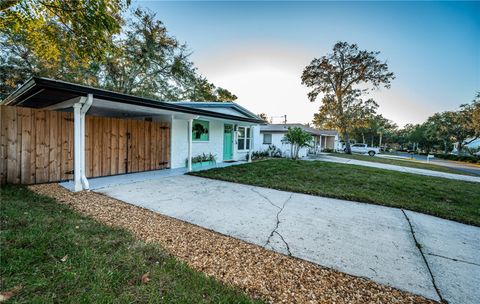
column 404, row 163
column 450, row 199
column 54, row 255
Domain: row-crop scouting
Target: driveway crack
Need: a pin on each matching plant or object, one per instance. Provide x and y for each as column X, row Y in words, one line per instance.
column 266, row 198
column 274, row 231
column 419, row 246
column 452, row 259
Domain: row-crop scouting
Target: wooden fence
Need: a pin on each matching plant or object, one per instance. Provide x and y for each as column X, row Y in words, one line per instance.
column 36, row 146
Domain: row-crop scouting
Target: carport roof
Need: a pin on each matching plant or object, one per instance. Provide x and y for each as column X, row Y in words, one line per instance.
column 39, row 92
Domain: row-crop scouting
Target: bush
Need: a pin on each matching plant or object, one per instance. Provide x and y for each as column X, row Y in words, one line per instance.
column 463, row 158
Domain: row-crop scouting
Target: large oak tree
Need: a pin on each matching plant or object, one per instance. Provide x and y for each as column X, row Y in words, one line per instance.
column 342, row 78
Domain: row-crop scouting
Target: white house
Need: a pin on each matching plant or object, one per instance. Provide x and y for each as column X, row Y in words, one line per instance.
column 273, row 134
column 82, row 132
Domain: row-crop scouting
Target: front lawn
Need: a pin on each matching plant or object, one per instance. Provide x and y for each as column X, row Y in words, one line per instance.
column 405, row 163
column 450, row 199
column 50, row 254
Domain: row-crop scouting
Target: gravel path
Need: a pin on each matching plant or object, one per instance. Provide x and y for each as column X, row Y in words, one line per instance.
column 259, row 272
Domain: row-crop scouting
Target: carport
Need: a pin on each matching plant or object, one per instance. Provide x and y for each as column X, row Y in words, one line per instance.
column 55, row 131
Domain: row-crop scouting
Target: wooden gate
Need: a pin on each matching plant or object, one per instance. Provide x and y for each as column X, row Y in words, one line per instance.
column 117, row 146
column 36, row 146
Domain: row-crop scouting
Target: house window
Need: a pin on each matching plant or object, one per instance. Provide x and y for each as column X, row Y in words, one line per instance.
column 267, row 139
column 244, row 138
column 200, row 130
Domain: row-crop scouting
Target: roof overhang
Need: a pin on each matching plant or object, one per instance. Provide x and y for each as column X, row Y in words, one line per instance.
column 46, row 93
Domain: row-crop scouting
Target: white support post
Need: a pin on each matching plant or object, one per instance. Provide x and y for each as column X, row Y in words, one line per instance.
column 86, row 106
column 189, row 159
column 77, row 149
column 251, row 144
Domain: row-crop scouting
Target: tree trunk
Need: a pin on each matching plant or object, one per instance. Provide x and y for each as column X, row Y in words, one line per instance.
column 372, row 141
column 445, row 143
column 459, row 148
column 348, row 149
column 363, row 138
column 380, row 140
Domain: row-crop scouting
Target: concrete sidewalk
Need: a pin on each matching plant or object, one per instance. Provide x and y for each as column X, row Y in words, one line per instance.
column 333, row 159
column 376, row 242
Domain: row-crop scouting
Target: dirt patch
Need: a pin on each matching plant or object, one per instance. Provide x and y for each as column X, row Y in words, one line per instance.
column 259, row 272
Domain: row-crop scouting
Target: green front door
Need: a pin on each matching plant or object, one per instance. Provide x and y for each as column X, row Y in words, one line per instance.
column 227, row 142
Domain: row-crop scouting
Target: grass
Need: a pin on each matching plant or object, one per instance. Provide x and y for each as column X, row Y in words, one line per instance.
column 101, row 264
column 450, row 199
column 404, row 163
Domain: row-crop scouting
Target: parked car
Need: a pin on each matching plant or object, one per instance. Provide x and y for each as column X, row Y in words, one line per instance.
column 364, row 149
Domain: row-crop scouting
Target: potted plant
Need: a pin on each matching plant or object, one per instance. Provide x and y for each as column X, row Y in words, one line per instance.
column 202, row 160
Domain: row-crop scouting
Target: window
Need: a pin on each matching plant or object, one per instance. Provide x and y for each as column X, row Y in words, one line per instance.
column 200, row 130
column 244, row 138
column 267, row 139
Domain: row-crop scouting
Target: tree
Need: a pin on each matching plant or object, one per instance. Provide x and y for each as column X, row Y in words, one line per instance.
column 342, row 77
column 77, row 41
column 441, row 126
column 264, row 117
column 147, row 61
column 298, row 139
column 55, row 38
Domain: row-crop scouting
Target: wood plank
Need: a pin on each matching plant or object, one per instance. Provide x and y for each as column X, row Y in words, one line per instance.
column 67, row 146
column 167, row 149
column 26, row 147
column 11, row 133
column 122, row 145
column 159, row 146
column 141, row 145
column 88, row 146
column 147, row 141
column 42, row 142
column 97, row 147
column 114, row 146
column 54, row 161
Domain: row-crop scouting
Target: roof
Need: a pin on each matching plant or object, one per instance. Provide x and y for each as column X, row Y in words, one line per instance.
column 283, row 128
column 39, row 92
column 215, row 105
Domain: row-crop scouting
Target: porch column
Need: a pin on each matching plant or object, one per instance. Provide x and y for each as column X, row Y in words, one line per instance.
column 251, row 145
column 85, row 107
column 77, row 152
column 189, row 158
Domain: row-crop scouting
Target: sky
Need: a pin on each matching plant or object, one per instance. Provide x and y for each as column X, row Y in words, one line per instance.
column 258, row 50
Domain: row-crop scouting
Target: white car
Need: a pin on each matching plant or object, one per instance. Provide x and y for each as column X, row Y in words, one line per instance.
column 364, row 149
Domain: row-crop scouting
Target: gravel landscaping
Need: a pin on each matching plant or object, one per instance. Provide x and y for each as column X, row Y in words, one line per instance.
column 259, row 272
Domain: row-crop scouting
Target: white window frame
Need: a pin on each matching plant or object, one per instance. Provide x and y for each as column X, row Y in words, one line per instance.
column 247, row 137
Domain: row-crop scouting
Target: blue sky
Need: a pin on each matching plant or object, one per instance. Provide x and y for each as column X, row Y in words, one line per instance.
column 259, row 49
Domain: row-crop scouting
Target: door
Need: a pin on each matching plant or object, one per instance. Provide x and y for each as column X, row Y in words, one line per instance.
column 228, row 142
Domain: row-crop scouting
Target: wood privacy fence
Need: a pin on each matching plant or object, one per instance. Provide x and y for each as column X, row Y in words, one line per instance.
column 36, row 146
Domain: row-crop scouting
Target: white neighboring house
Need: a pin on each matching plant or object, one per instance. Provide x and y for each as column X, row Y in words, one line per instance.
column 272, row 134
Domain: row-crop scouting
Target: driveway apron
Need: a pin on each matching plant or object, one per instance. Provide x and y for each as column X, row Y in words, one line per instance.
column 365, row 240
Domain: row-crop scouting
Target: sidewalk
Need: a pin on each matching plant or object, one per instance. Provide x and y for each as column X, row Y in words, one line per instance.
column 333, row 159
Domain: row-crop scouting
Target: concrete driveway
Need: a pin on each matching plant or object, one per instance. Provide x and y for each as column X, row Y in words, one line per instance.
column 365, row 240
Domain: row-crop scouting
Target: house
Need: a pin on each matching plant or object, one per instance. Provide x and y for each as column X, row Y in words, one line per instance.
column 273, row 134
column 54, row 130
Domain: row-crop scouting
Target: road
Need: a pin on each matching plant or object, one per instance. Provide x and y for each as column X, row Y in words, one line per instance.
column 465, row 167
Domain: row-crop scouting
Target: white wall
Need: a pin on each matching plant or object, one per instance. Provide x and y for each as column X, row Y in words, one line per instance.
column 179, row 145
column 277, row 141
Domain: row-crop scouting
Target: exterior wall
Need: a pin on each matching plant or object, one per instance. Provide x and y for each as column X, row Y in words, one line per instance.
column 179, row 145
column 277, row 141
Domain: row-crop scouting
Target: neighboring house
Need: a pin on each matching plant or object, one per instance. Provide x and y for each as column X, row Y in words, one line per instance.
column 273, row 134
column 54, row 130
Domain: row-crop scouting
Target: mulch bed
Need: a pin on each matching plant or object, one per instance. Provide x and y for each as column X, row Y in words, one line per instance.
column 259, row 272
